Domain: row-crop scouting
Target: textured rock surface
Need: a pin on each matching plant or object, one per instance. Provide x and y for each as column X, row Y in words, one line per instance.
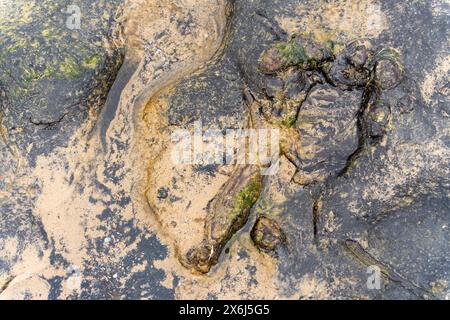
column 327, row 125
column 228, row 212
column 367, row 129
column 267, row 235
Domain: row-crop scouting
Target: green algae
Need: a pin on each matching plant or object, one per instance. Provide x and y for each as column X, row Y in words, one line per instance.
column 289, row 122
column 248, row 196
column 293, row 54
column 90, row 62
column 70, row 68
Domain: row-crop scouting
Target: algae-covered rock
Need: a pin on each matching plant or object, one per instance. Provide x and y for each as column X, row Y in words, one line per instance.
column 55, row 73
column 357, row 54
column 272, row 61
column 391, row 197
column 229, row 211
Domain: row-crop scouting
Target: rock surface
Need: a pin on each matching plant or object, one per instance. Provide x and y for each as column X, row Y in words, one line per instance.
column 357, row 91
column 267, row 234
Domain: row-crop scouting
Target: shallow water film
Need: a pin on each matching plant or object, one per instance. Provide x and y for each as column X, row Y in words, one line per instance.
column 224, row 149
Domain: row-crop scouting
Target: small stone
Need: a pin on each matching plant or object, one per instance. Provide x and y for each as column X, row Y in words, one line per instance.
column 229, row 212
column 388, row 74
column 327, row 126
column 199, row 259
column 267, row 234
column 301, row 53
column 346, row 76
column 357, row 55
column 271, row 61
column 163, row 193
column 315, row 51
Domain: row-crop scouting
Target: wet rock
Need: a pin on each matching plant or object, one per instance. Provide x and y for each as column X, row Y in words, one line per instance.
column 388, row 74
column 55, row 77
column 282, row 113
column 299, row 52
column 377, row 118
column 200, row 259
column 282, row 101
column 328, row 132
column 348, row 70
column 389, row 71
column 267, row 234
column 394, row 201
column 229, row 212
column 406, row 104
column 357, row 54
column 403, row 174
column 271, row 61
column 163, row 193
column 296, row 84
column 273, row 87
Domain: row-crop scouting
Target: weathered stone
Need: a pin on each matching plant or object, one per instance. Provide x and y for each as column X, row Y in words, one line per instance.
column 393, row 198
column 377, row 118
column 54, row 77
column 357, row 54
column 388, row 69
column 267, row 234
column 315, row 52
column 328, row 132
column 296, row 84
column 228, row 212
column 299, row 52
column 348, row 71
column 388, row 74
column 271, row 61
column 273, row 87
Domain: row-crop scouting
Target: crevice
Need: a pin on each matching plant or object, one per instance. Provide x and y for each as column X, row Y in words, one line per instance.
column 6, row 284
column 316, row 215
column 326, row 77
column 47, row 124
column 363, row 136
column 368, row 260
